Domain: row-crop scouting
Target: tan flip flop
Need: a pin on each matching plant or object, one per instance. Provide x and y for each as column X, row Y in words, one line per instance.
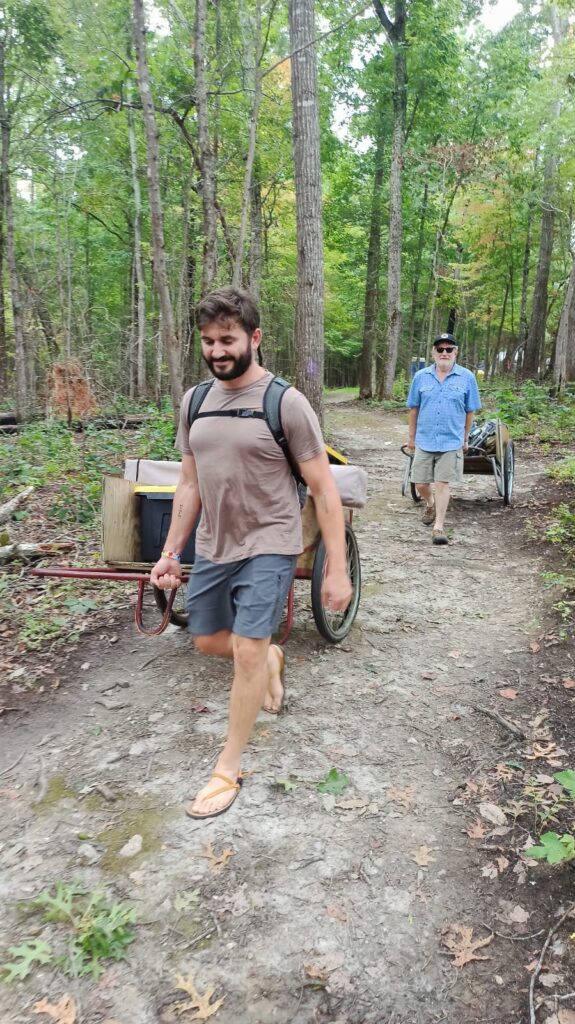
column 277, row 711
column 229, row 785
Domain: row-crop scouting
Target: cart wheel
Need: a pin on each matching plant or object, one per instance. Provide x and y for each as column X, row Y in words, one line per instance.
column 334, row 626
column 179, row 615
column 415, row 494
column 508, row 472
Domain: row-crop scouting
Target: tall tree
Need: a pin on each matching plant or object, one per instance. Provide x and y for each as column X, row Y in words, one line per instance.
column 396, row 34
column 170, row 338
column 309, row 322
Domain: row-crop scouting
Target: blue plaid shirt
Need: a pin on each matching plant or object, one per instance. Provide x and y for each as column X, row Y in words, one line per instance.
column 442, row 407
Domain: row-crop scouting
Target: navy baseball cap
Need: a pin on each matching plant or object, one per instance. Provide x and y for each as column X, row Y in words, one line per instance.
column 444, row 337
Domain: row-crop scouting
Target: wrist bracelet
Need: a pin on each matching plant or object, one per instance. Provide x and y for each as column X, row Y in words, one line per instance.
column 171, row 554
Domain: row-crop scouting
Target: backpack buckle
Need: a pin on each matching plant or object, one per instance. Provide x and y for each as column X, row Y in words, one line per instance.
column 245, row 413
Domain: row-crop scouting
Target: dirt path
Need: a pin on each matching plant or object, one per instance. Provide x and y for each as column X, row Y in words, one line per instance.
column 330, row 908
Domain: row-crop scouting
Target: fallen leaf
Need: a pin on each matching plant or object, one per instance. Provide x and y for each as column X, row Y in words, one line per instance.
column 549, row 679
column 423, row 856
column 568, row 683
column 459, row 941
column 550, row 980
column 517, row 915
column 566, row 1016
column 352, row 803
column 492, row 813
column 476, row 830
column 197, row 1002
column 324, row 966
column 200, row 709
column 490, row 870
column 534, row 648
column 454, row 654
column 508, row 692
column 216, row 861
column 336, row 912
column 429, row 675
column 502, row 863
column 63, row 1012
column 403, row 797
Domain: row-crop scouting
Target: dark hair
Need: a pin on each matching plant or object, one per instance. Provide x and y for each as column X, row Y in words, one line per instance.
column 229, row 304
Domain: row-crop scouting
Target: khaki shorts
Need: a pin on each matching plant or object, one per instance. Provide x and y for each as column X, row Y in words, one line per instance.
column 429, row 467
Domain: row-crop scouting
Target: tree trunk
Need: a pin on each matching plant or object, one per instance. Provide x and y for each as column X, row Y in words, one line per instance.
column 256, row 239
column 564, row 365
column 397, row 38
column 415, row 283
column 3, row 345
column 42, row 312
column 309, row 337
column 207, row 157
column 139, row 277
column 237, row 276
column 171, row 342
column 22, row 396
column 535, row 342
column 523, row 323
column 371, row 310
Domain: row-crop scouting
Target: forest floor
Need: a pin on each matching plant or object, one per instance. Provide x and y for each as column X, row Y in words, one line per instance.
column 404, row 898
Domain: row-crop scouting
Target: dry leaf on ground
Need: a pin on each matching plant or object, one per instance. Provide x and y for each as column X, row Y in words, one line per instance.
column 535, row 648
column 403, row 797
column 63, row 1012
column 216, row 861
column 476, row 830
column 336, row 912
column 352, row 803
column 202, row 1004
column 423, row 856
column 461, row 944
column 508, row 692
column 324, row 965
column 492, row 813
column 568, row 683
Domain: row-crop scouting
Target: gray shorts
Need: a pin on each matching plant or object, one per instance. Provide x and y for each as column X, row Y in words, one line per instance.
column 445, row 467
column 245, row 597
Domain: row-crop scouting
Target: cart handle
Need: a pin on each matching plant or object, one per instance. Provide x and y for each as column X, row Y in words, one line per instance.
column 141, row 578
column 410, row 452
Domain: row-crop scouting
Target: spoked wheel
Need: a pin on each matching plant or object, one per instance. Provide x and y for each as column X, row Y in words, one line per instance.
column 508, row 472
column 334, row 626
column 179, row 615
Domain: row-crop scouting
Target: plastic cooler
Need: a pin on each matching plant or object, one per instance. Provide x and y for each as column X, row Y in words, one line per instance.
column 155, row 517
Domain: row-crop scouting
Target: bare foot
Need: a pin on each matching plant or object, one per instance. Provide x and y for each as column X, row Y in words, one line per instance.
column 215, row 798
column 275, row 694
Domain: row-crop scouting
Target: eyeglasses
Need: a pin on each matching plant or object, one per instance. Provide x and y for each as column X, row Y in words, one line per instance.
column 445, row 348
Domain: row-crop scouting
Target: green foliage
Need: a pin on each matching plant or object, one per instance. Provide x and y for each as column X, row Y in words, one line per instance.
column 562, row 526
column 567, row 780
column 564, row 470
column 96, row 929
column 554, row 849
column 335, row 782
column 24, row 958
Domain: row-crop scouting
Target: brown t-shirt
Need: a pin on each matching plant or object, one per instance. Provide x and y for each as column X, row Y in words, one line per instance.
column 249, row 496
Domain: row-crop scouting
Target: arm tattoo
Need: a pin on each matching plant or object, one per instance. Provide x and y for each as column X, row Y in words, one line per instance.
column 180, row 511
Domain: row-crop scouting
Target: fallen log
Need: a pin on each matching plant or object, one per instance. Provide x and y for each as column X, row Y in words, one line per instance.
column 8, row 507
column 30, row 552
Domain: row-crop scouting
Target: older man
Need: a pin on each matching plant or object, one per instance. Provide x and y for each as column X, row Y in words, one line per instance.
column 442, row 400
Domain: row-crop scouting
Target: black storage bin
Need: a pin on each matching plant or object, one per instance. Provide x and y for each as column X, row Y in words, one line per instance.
column 155, row 518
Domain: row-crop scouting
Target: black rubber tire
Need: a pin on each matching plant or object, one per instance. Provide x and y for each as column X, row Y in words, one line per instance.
column 508, row 472
column 415, row 494
column 406, row 478
column 178, row 616
column 334, row 626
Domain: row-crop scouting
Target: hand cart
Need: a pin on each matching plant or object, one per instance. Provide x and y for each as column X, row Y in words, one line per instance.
column 499, row 463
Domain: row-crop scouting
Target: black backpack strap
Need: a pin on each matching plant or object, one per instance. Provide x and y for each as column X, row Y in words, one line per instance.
column 271, row 405
column 198, row 396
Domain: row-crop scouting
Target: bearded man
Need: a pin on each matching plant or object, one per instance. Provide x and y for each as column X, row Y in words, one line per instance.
column 236, row 478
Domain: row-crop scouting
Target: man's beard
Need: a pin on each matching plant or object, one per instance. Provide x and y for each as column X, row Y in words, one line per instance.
column 235, row 367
